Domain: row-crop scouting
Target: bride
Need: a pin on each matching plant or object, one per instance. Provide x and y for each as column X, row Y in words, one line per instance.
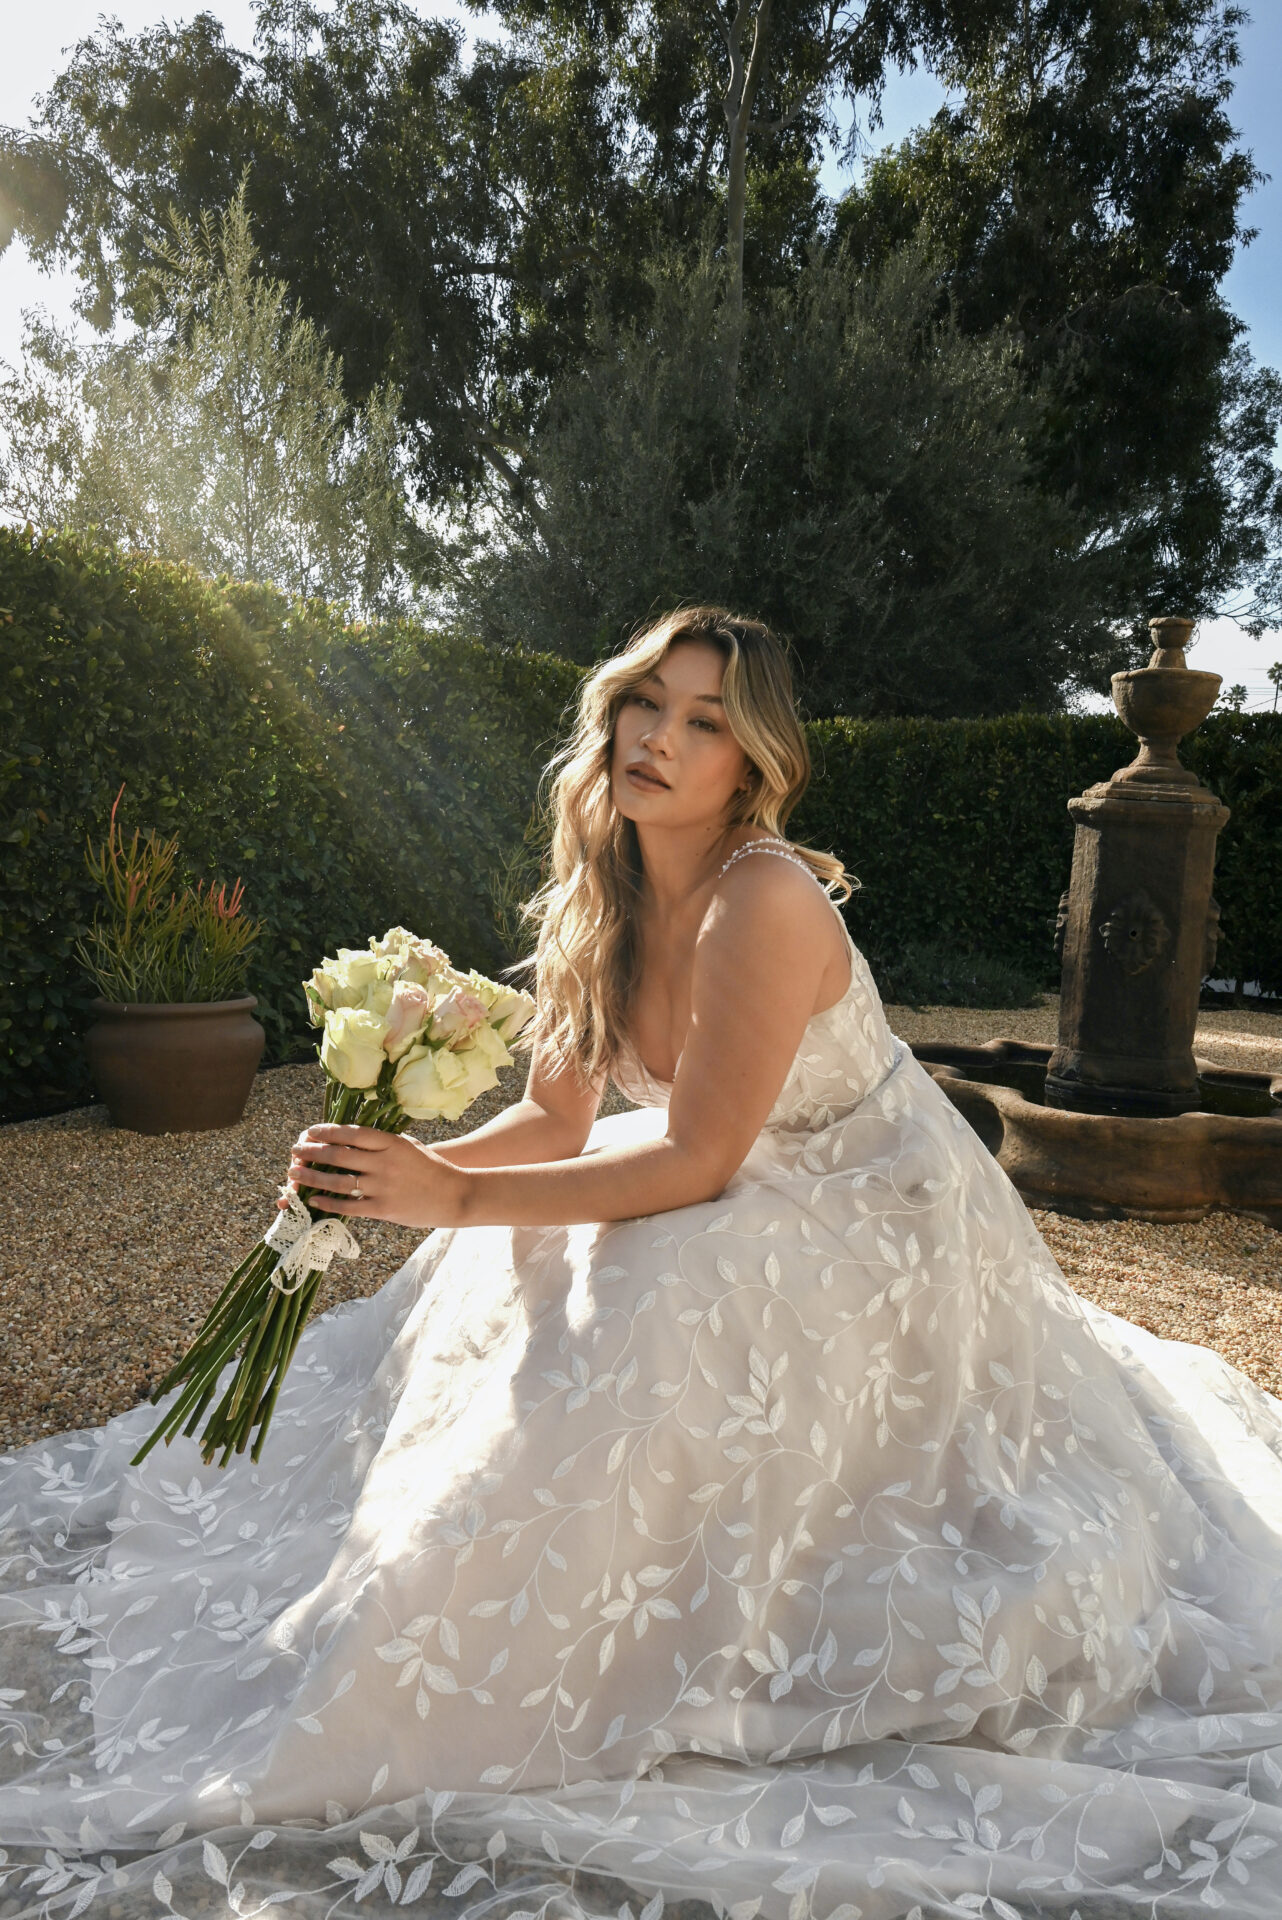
column 729, row 1501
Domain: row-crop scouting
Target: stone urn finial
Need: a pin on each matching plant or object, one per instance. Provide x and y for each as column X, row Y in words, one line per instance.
column 1161, row 703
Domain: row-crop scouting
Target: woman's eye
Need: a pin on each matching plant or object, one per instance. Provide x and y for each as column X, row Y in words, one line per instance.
column 706, row 723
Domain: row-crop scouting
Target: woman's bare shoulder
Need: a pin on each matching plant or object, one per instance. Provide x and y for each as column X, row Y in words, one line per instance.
column 770, row 873
column 763, row 893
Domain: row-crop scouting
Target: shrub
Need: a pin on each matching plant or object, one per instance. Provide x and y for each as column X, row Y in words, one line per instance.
column 933, row 976
column 869, row 491
column 960, row 833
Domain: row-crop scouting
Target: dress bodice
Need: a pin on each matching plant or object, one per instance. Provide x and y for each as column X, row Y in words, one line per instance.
column 844, row 1053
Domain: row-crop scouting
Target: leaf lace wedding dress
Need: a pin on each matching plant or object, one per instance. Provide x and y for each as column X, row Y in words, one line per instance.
column 814, row 1551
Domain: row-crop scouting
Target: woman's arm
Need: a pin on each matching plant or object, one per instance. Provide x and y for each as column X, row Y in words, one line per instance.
column 759, row 957
column 523, row 1133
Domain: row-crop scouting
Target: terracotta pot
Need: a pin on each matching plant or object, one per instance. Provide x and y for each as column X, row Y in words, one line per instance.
column 178, row 1068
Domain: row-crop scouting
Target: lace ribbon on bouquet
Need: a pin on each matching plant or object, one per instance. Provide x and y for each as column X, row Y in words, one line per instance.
column 306, row 1245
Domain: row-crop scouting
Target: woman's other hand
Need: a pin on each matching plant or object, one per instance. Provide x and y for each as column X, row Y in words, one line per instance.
column 392, row 1176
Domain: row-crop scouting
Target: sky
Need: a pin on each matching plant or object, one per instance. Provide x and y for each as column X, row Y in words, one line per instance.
column 35, row 38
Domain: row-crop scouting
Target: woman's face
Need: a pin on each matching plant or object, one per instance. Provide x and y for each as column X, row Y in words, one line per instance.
column 673, row 726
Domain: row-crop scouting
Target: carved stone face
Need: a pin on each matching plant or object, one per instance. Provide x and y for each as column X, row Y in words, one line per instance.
column 1061, row 923
column 1135, row 933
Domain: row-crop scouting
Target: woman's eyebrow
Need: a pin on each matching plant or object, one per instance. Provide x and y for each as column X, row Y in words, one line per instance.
column 715, row 698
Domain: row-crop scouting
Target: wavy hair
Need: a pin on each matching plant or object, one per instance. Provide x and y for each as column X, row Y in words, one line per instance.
column 588, row 955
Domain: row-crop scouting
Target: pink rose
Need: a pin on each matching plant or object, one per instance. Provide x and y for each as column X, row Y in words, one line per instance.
column 457, row 1015
column 408, row 1012
column 420, row 961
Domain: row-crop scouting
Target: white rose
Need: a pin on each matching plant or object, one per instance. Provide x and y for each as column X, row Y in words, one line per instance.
column 511, row 1011
column 430, row 1084
column 488, row 1043
column 319, row 993
column 352, row 1050
column 478, row 1069
column 377, row 998
column 392, row 941
column 422, row 963
column 353, row 974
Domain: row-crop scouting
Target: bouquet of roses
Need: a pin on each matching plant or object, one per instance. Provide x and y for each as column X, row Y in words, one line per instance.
column 406, row 1037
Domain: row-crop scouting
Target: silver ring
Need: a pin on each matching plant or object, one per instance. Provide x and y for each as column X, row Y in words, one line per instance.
column 354, row 1193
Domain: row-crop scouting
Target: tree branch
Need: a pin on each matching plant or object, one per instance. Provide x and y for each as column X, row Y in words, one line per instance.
column 784, row 121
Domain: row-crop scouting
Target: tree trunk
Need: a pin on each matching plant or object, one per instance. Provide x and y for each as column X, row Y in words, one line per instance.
column 737, row 104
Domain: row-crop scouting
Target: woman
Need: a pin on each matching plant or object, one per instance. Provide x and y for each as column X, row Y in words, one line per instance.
column 729, row 1500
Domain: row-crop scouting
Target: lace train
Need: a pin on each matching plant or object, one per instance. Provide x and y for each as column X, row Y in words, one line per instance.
column 813, row 1553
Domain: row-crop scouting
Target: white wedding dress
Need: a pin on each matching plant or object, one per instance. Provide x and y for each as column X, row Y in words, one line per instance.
column 812, row 1551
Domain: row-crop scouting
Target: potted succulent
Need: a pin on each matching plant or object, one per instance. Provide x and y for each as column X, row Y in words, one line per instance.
column 174, row 1046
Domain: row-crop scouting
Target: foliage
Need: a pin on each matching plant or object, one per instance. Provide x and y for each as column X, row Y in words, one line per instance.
column 144, row 948
column 433, row 223
column 1084, row 188
column 356, row 777
column 224, row 439
column 754, row 84
column 554, row 162
column 869, row 494
column 934, row 976
column 960, row 835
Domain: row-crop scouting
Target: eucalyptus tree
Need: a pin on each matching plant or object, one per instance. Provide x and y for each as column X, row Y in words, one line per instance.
column 737, row 100
column 1084, row 188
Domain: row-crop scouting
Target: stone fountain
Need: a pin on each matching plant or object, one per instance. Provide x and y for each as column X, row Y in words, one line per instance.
column 1120, row 1117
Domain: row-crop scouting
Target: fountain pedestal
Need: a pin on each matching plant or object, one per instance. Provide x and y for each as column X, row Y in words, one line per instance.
column 1135, row 933
column 1120, row 1119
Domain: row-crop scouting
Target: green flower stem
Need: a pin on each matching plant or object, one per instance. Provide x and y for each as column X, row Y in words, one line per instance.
column 200, row 1406
column 263, row 1415
column 235, row 1437
column 245, row 1372
column 252, row 1315
column 211, row 1353
column 241, row 1414
column 271, row 1357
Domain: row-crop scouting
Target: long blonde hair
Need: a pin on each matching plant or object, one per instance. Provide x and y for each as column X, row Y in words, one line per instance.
column 587, row 959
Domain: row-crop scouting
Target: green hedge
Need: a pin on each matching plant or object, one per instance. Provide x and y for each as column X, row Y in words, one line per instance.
column 359, row 778
column 960, row 834
column 354, row 779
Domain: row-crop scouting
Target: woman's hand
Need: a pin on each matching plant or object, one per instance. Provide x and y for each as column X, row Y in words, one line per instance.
column 397, row 1178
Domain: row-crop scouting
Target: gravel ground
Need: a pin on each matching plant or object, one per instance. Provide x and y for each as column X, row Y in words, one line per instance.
column 119, row 1242
column 1249, row 1041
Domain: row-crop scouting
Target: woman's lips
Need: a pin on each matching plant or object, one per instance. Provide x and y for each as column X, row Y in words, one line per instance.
column 645, row 780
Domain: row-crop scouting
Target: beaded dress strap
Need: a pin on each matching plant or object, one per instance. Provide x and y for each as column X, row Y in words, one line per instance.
column 770, row 846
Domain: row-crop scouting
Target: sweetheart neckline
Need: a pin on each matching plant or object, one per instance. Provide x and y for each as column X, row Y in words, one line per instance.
column 661, row 1080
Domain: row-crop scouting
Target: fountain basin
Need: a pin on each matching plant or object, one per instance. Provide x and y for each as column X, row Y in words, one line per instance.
column 1225, row 1153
